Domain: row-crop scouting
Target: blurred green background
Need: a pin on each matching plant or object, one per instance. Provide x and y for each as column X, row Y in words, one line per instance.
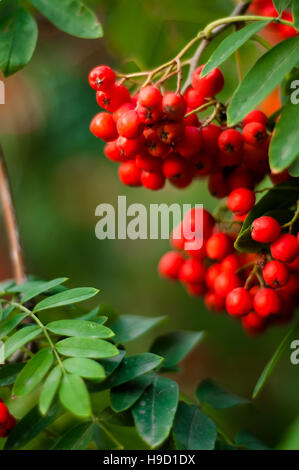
column 59, row 175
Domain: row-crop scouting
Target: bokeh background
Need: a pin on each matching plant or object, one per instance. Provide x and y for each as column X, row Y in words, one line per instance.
column 59, row 175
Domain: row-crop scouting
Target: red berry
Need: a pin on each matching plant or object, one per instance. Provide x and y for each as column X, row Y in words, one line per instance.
column 101, row 78
column 183, row 181
column 214, row 302
column 3, row 431
column 3, row 413
column 146, row 162
column 276, row 274
column 218, row 246
column 170, row 132
column 112, row 99
column 193, row 98
column 130, row 147
column 265, row 229
column 10, row 423
column 150, row 97
column 255, row 133
column 174, row 166
column 285, row 248
column 192, row 119
column 192, row 271
column 124, row 108
column 177, row 239
column 225, row 283
column 129, row 125
column 210, row 135
column 256, row 116
column 129, row 173
column 103, row 127
column 231, row 142
column 217, row 185
column 253, row 323
column 198, row 221
column 240, row 178
column 154, row 145
column 196, row 289
column 203, row 164
column 212, row 273
column 174, row 106
column 230, row 263
column 191, row 142
column 266, row 302
column 152, row 180
column 238, row 302
column 148, row 116
column 209, row 85
column 113, row 153
column 241, row 200
column 170, row 264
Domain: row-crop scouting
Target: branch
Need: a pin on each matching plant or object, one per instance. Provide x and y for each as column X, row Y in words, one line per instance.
column 11, row 224
column 239, row 10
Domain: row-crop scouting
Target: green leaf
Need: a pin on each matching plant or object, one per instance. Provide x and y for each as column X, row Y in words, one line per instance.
column 7, row 311
column 245, row 439
column 124, row 396
column 84, row 328
column 104, row 439
column 71, row 16
column 30, row 426
column 272, row 363
column 129, row 327
column 217, row 397
column 155, row 410
column 93, row 315
column 77, row 438
column 231, row 43
column 274, row 203
column 33, row 372
column 284, row 146
column 86, row 368
column 86, row 347
column 42, row 287
column 281, row 5
column 175, row 346
column 67, row 297
column 265, row 75
column 296, row 14
column 193, row 430
column 74, row 396
column 10, row 323
column 294, row 169
column 49, row 390
column 112, row 363
column 9, row 373
column 19, row 339
column 17, row 42
column 134, row 366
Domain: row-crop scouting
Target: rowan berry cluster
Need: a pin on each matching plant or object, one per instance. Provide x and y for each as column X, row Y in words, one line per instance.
column 267, row 8
column 258, row 289
column 155, row 137
column 7, row 421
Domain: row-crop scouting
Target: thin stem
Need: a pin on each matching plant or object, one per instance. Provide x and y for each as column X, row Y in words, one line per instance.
column 201, row 108
column 261, row 41
column 11, row 224
column 293, row 220
column 104, row 428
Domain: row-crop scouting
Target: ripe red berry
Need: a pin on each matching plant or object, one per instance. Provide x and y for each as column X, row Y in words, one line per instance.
column 130, row 147
column 177, row 238
column 196, row 289
column 241, row 200
column 276, row 274
column 129, row 173
column 214, row 302
column 174, row 106
column 154, row 145
column 253, row 323
column 255, row 116
column 174, row 166
column 192, row 119
column 285, row 248
column 113, row 153
column 255, row 133
column 230, row 263
column 210, row 135
column 193, row 98
column 101, row 78
column 3, row 413
column 218, row 185
column 191, row 142
column 203, row 164
column 225, row 283
column 153, row 180
column 124, row 108
column 103, row 127
column 171, row 132
column 129, row 125
column 148, row 116
column 146, row 162
column 170, row 264
column 209, row 85
column 266, row 302
column 192, row 271
column 238, row 302
column 183, row 181
column 265, row 229
column 231, row 142
column 198, row 220
column 212, row 273
column 10, row 423
column 218, row 246
column 112, row 99
column 150, row 97
column 240, row 178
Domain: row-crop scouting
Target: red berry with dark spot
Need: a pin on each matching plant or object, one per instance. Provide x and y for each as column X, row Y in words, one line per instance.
column 255, row 133
column 231, row 142
column 276, row 274
column 148, row 116
column 150, row 97
column 265, row 229
column 256, row 116
column 174, row 166
column 174, row 106
column 241, row 200
column 112, row 152
column 238, row 302
column 285, row 248
column 171, row 132
column 170, row 264
column 112, row 99
column 130, row 147
column 101, row 78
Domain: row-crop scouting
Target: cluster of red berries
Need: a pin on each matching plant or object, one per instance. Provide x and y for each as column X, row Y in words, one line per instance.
column 154, row 137
column 267, row 8
column 258, row 289
column 7, row 421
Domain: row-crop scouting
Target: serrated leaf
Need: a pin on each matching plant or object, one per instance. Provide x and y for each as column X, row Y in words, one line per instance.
column 134, row 366
column 281, row 5
column 67, row 297
column 33, row 372
column 86, row 368
column 9, row 373
column 284, row 146
column 193, row 430
column 129, row 327
column 49, row 389
column 175, row 346
column 85, row 328
column 232, row 43
column 19, row 339
column 74, row 396
column 30, row 426
column 217, row 397
column 272, row 363
column 245, row 439
column 124, row 396
column 76, row 438
column 265, row 75
column 154, row 412
column 10, row 323
column 296, row 14
column 17, row 42
column 71, row 16
column 86, row 347
column 41, row 287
